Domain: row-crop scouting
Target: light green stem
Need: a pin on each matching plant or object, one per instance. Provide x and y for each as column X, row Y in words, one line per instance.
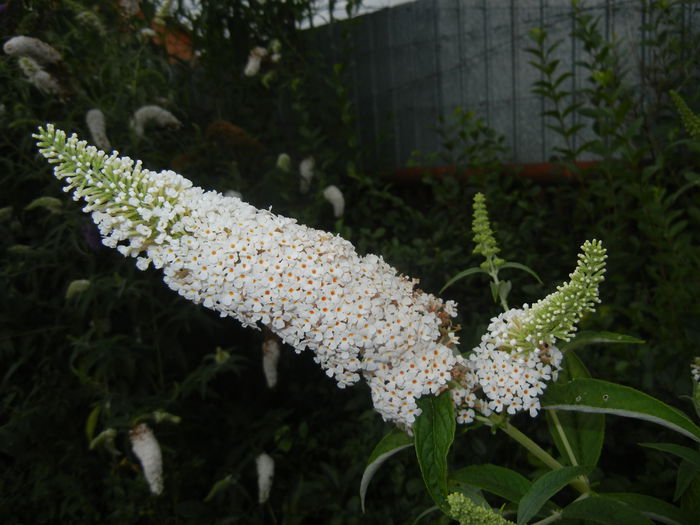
column 581, row 485
column 562, row 436
column 549, row 519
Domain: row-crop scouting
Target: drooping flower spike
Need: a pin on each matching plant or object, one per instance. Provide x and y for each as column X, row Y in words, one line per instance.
column 357, row 314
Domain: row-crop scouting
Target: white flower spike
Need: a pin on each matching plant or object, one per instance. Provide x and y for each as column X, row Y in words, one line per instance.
column 271, row 356
column 306, row 170
column 333, row 195
column 152, row 115
column 356, row 314
column 42, row 80
column 26, row 46
column 147, row 450
column 266, row 471
column 95, row 121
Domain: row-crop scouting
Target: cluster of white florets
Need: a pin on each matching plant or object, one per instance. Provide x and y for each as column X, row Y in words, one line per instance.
column 152, row 115
column 695, row 370
column 503, row 374
column 357, row 314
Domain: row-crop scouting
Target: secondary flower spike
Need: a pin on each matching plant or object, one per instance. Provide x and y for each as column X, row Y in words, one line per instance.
column 356, row 314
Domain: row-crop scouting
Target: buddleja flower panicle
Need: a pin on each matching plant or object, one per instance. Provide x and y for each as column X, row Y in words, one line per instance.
column 356, row 314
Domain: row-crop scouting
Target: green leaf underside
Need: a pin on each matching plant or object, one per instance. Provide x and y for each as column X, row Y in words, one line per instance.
column 688, row 454
column 501, row 481
column 584, row 432
column 596, row 396
column 522, row 267
column 605, row 511
column 653, row 508
column 462, row 275
column 393, row 442
column 544, row 488
column 434, row 432
column 589, row 337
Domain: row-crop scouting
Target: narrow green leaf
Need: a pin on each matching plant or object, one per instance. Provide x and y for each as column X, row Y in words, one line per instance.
column 501, row 481
column 462, row 275
column 687, row 472
column 605, row 511
column 688, row 454
column 393, row 442
column 591, row 338
column 583, row 433
column 544, row 488
column 219, row 486
column 522, row 267
column 434, row 432
column 602, row 397
column 653, row 508
column 91, row 423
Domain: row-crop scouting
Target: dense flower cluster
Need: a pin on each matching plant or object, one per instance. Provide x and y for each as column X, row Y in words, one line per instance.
column 517, row 354
column 356, row 314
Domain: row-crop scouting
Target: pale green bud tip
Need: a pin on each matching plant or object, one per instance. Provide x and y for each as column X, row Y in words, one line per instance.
column 466, row 512
column 284, row 162
column 77, row 287
column 556, row 316
column 486, row 244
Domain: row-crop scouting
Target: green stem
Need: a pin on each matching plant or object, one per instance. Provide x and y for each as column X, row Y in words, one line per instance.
column 581, row 485
column 562, row 436
column 550, row 519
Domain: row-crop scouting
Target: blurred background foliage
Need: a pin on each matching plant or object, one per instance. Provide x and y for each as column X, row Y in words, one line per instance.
column 72, row 366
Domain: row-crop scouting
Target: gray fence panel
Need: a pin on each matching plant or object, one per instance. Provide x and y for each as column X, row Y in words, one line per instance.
column 421, row 60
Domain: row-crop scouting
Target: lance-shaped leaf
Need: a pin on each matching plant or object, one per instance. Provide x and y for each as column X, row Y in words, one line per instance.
column 688, row 454
column 434, row 432
column 653, row 508
column 544, row 488
column 393, row 442
column 589, row 337
column 501, row 481
column 605, row 511
column 593, row 395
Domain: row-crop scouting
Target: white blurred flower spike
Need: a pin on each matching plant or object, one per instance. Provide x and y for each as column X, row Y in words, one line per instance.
column 266, row 471
column 357, row 315
column 33, row 48
column 270, row 358
column 129, row 8
column 95, row 121
column 333, row 195
column 695, row 370
column 306, row 171
column 146, row 448
column 255, row 58
column 152, row 115
column 233, row 193
column 39, row 78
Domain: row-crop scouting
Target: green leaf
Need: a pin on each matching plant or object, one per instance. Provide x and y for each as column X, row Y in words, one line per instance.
column 501, row 481
column 544, row 488
column 51, row 204
column 220, row 485
column 587, row 337
column 688, row 454
column 393, row 442
column 521, row 267
column 91, row 423
column 602, row 397
column 461, row 275
column 653, row 508
column 434, row 432
column 605, row 511
column 687, row 472
column 583, row 433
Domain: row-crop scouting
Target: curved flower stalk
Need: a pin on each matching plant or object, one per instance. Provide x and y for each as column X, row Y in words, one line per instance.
column 95, row 121
column 517, row 354
column 29, row 47
column 147, row 450
column 356, row 314
column 152, row 114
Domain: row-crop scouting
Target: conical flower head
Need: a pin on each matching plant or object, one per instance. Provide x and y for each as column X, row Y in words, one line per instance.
column 357, row 314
